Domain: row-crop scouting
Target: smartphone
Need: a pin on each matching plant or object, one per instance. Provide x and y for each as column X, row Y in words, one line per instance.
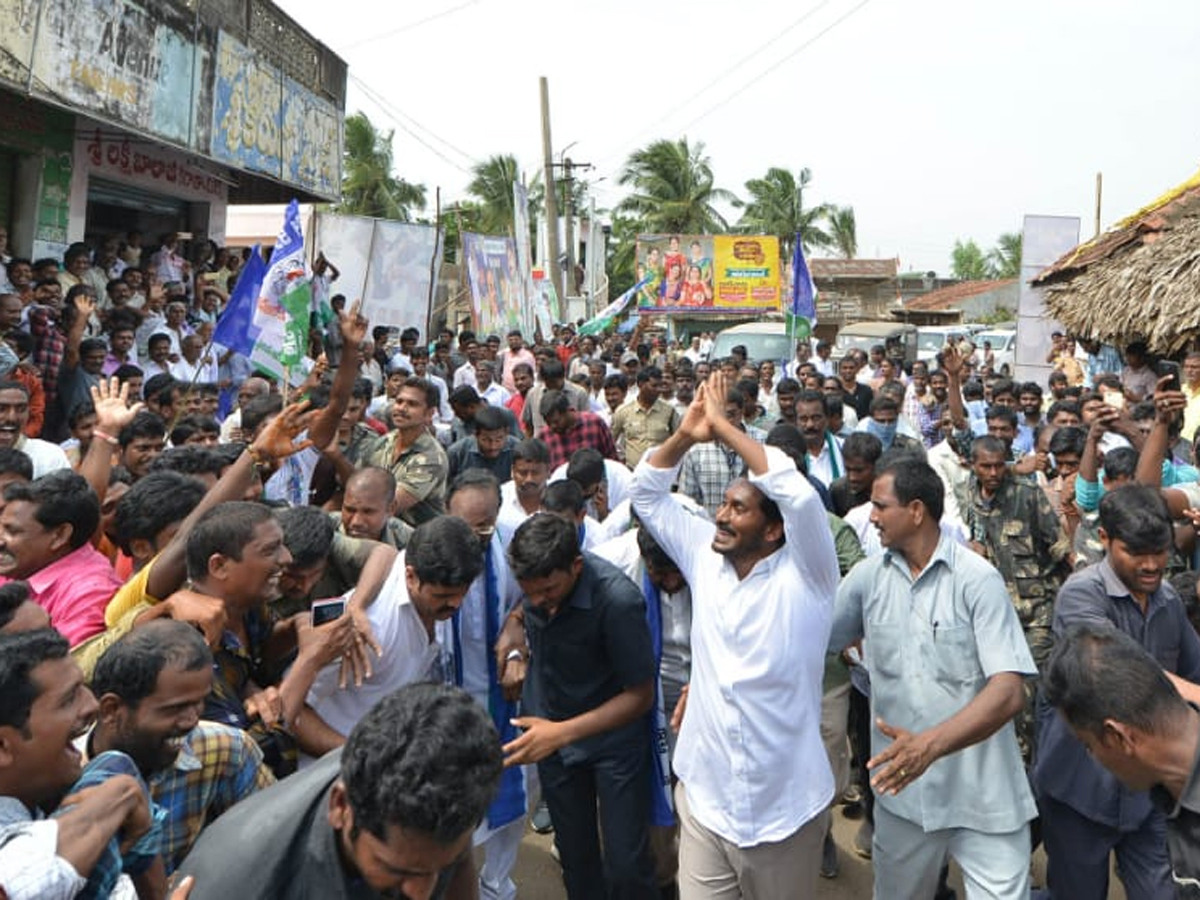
column 1167, row 368
column 324, row 611
column 184, row 235
column 1115, row 400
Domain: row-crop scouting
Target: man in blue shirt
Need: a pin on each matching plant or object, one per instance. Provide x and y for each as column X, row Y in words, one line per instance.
column 1086, row 812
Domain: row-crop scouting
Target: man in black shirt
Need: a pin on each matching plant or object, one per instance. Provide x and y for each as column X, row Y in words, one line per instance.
column 589, row 686
column 389, row 814
column 1122, row 706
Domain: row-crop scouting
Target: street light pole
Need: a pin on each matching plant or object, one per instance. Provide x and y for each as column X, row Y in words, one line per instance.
column 551, row 265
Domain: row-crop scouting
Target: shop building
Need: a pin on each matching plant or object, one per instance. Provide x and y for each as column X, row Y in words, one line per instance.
column 116, row 117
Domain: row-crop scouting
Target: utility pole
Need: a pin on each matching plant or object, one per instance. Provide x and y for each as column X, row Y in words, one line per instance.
column 551, row 265
column 569, row 202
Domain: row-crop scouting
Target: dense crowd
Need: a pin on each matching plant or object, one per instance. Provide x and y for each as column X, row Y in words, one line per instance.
column 347, row 638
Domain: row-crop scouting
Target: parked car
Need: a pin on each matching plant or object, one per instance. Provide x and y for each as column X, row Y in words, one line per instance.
column 931, row 339
column 899, row 339
column 762, row 340
column 1004, row 349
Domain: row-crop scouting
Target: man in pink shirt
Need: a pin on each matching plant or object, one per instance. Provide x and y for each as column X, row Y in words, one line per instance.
column 45, row 539
column 516, row 354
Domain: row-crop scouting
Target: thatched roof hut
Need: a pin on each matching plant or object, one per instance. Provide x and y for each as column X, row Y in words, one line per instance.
column 1141, row 279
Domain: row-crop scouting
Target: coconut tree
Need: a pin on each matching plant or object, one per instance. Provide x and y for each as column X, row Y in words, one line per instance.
column 673, row 189
column 776, row 206
column 492, row 187
column 1004, row 259
column 843, row 234
column 369, row 187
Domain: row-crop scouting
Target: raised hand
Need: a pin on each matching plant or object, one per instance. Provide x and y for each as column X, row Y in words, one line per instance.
column 354, row 325
column 695, row 424
column 113, row 412
column 952, row 361
column 1168, row 403
column 85, row 305
column 716, row 391
column 277, row 439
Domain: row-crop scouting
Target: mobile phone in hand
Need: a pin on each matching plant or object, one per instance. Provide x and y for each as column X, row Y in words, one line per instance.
column 324, row 611
column 1166, row 368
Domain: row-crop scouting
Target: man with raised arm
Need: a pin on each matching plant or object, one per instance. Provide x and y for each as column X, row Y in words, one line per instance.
column 754, row 775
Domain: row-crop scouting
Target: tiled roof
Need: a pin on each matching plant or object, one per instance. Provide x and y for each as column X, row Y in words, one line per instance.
column 949, row 297
column 881, row 269
column 1142, row 227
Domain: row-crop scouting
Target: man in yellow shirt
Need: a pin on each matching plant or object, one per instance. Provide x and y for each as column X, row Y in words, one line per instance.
column 1191, row 389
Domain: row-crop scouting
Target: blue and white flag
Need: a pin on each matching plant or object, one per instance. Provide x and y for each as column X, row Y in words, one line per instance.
column 604, row 319
column 235, row 329
column 802, row 313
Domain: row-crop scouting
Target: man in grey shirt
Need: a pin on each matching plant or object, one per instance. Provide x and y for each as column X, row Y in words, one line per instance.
column 947, row 659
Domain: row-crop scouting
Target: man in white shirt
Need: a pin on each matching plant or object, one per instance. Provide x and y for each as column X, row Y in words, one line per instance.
column 824, row 448
column 465, row 374
column 487, row 386
column 14, row 416
column 754, row 776
column 427, row 584
column 521, row 497
column 470, row 638
column 196, row 366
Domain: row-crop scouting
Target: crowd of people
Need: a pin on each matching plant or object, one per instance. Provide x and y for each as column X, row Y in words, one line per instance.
column 350, row 638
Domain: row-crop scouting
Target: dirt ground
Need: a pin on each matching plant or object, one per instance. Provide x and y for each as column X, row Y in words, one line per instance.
column 538, row 875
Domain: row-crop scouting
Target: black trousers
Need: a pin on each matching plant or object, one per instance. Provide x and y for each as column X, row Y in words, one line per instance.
column 618, row 781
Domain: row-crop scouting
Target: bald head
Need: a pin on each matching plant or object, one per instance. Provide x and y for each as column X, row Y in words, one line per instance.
column 253, row 387
column 368, row 501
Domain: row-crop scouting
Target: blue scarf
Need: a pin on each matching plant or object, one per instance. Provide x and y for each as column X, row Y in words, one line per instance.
column 662, row 811
column 510, row 803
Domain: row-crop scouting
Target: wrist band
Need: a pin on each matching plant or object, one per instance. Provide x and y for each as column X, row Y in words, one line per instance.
column 107, row 438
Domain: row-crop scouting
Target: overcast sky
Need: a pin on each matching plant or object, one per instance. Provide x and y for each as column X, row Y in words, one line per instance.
column 934, row 119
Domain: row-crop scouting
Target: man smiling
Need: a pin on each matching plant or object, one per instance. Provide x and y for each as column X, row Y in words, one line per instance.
column 1086, row 814
column 14, row 415
column 151, row 687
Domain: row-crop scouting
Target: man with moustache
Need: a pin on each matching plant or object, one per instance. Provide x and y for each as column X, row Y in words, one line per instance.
column 1087, row 814
column 754, row 775
column 151, row 686
column 521, row 497
column 368, row 504
column 426, row 586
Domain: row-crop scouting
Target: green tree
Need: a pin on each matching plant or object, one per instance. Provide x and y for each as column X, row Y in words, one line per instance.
column 776, row 207
column 1005, row 258
column 622, row 243
column 968, row 262
column 843, row 233
column 673, row 189
column 369, row 187
column 492, row 187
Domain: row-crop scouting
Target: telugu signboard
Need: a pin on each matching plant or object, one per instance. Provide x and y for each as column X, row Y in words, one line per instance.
column 708, row 273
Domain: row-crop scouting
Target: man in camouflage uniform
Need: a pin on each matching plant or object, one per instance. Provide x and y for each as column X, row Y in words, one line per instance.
column 1013, row 525
column 413, row 455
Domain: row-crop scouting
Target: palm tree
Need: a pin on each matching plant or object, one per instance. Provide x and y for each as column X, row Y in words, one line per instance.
column 673, row 190
column 368, row 186
column 777, row 207
column 1004, row 259
column 492, row 186
column 843, row 234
